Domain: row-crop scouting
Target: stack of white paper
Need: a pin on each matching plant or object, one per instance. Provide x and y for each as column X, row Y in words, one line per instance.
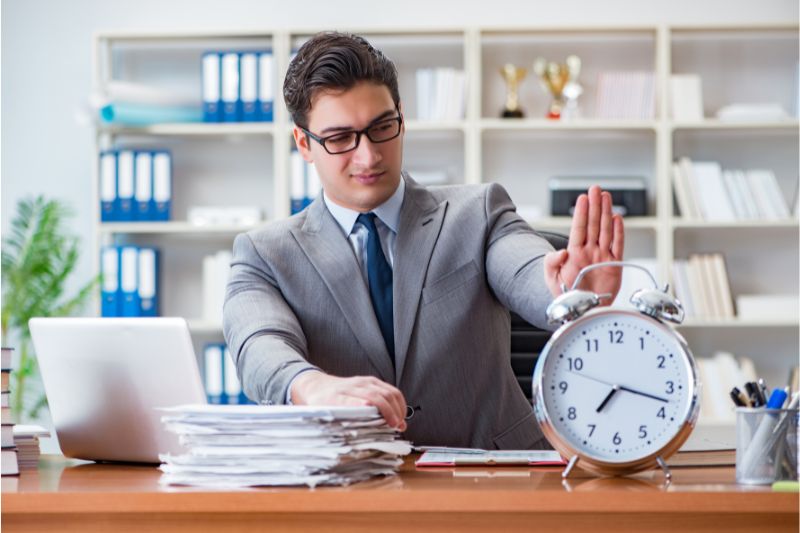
column 26, row 439
column 258, row 445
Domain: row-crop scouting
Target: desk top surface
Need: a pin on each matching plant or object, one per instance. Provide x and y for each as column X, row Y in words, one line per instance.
column 61, row 484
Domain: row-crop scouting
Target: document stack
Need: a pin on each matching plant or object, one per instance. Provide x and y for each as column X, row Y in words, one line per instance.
column 8, row 456
column 26, row 439
column 232, row 446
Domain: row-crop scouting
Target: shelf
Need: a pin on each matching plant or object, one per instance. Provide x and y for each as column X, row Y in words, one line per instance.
column 500, row 124
column 734, row 323
column 789, row 124
column 434, row 125
column 650, row 223
column 185, row 228
column 739, row 224
column 194, row 128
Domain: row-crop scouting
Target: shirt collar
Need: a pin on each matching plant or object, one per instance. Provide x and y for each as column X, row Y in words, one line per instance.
column 388, row 212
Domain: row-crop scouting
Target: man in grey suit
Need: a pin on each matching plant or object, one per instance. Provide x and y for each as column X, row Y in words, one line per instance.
column 383, row 292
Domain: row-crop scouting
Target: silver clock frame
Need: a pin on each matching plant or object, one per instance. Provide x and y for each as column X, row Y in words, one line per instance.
column 588, row 461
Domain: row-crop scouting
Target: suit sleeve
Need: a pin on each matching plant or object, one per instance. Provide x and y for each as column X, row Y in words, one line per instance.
column 515, row 259
column 263, row 334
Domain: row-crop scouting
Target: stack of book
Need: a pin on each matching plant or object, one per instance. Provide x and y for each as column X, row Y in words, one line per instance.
column 626, row 95
column 26, row 439
column 130, row 284
column 256, row 445
column 135, row 185
column 219, row 376
column 719, row 374
column 441, row 94
column 704, row 191
column 8, row 455
column 701, row 284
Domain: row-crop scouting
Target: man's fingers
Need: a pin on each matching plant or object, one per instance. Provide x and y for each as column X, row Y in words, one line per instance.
column 606, row 222
column 386, row 398
column 392, row 394
column 395, row 399
column 595, row 211
column 577, row 234
column 618, row 241
column 387, row 410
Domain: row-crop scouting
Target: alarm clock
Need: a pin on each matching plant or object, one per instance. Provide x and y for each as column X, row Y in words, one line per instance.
column 616, row 389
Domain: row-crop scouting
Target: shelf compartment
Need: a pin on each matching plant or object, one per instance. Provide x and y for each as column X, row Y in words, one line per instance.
column 194, row 129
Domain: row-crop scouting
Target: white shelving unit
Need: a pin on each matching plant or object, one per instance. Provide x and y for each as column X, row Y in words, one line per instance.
column 235, row 164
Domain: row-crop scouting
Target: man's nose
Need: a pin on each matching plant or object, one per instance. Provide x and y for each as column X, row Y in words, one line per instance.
column 367, row 153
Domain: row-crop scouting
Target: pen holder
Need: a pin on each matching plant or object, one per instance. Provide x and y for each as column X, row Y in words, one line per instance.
column 766, row 445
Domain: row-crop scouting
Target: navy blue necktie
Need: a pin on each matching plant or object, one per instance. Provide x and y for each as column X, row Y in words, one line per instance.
column 379, row 274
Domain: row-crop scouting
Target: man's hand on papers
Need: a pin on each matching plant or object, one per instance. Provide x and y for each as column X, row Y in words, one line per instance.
column 596, row 235
column 317, row 388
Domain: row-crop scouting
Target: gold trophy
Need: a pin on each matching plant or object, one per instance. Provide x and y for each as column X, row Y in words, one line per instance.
column 561, row 81
column 512, row 75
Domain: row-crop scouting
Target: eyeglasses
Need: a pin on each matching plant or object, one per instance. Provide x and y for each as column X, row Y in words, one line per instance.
column 347, row 141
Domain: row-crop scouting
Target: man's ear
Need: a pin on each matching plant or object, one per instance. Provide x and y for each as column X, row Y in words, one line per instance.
column 301, row 140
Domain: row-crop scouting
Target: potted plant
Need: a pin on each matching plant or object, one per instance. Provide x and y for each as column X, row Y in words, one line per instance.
column 38, row 256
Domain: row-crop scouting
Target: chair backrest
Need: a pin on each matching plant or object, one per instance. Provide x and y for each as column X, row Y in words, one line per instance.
column 527, row 341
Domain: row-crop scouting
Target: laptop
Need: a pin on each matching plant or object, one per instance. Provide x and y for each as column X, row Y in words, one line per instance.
column 105, row 378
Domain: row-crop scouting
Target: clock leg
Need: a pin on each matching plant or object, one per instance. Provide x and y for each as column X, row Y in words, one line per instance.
column 665, row 468
column 569, row 467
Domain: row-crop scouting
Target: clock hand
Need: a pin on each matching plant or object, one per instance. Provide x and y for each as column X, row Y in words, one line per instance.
column 614, row 389
column 621, row 387
column 644, row 394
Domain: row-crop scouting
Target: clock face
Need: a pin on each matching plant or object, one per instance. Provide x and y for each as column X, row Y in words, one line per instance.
column 616, row 386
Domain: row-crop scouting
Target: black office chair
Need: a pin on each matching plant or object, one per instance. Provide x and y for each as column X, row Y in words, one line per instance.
column 527, row 341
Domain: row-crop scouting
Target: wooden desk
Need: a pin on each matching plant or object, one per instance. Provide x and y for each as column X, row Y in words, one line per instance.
column 62, row 496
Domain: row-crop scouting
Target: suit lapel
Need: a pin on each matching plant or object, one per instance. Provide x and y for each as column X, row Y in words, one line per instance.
column 420, row 222
column 330, row 253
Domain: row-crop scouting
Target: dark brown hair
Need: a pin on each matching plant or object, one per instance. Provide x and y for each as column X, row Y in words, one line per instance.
column 334, row 61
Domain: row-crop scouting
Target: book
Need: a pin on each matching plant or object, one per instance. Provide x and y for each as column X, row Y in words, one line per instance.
column 5, row 416
column 6, row 357
column 698, row 288
column 680, row 284
column 682, row 193
column 5, row 378
column 686, row 97
column 712, row 290
column 723, row 286
column 710, row 192
column 767, row 306
column 7, row 435
column 8, row 462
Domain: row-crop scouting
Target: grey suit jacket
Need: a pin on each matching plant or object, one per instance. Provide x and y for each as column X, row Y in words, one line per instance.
column 296, row 299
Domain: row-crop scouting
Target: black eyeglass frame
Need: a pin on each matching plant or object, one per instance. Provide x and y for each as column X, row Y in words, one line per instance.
column 359, row 133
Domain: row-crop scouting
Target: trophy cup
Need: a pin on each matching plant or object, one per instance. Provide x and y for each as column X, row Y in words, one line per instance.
column 512, row 75
column 561, row 81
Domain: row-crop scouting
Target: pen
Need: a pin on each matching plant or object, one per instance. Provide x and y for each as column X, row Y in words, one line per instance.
column 762, row 440
column 777, row 399
column 736, row 395
column 762, row 388
column 753, row 393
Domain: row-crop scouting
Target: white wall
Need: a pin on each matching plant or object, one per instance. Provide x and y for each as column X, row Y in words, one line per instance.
column 46, row 61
